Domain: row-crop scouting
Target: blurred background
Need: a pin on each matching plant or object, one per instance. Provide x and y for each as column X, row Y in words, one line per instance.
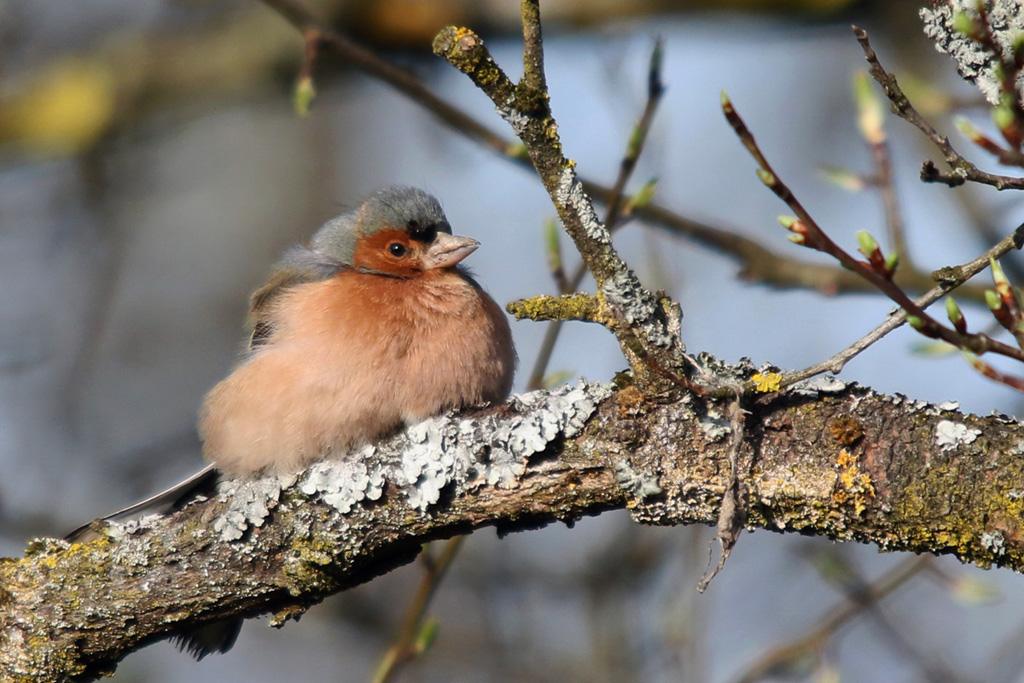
column 152, row 167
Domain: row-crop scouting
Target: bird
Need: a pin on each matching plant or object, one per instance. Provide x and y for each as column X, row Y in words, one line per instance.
column 373, row 325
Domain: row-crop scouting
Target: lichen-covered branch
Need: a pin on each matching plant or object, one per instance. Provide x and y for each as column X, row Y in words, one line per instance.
column 647, row 327
column 583, row 307
column 829, row 459
column 616, row 209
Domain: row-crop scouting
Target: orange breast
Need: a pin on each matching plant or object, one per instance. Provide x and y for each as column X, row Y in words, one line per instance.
column 352, row 359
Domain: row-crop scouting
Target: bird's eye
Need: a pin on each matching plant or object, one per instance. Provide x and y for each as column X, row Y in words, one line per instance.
column 396, row 249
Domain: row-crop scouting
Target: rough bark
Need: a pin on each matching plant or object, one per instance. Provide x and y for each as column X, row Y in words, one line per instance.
column 828, row 459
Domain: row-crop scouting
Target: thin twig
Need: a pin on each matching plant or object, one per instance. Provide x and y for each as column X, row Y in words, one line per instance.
column 815, row 639
column 398, row 78
column 763, row 265
column 986, row 370
column 839, row 571
column 637, row 141
column 547, row 348
column 533, row 48
column 811, row 235
column 614, row 203
column 962, row 169
column 759, row 264
column 882, row 157
column 1009, row 70
column 407, row 646
column 949, row 278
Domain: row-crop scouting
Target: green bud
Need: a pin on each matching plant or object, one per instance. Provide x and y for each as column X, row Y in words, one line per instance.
column 552, row 245
column 1002, row 116
column 994, row 301
column 953, row 310
column 797, row 238
column 915, row 322
column 869, row 109
column 866, row 244
column 843, row 178
column 892, row 260
column 726, row 102
column 554, row 379
column 968, row 129
column 787, row 221
column 425, row 638
column 636, row 136
column 969, row 590
column 766, row 177
column 998, row 275
column 645, row 194
column 956, row 316
column 303, row 95
column 516, row 150
column 932, row 348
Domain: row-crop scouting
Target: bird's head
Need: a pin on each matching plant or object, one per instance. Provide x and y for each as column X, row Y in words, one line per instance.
column 397, row 231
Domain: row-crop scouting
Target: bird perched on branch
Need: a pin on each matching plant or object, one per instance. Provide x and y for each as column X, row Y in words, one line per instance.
column 372, row 326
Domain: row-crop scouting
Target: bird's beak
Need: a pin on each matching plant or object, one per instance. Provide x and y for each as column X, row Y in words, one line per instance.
column 447, row 250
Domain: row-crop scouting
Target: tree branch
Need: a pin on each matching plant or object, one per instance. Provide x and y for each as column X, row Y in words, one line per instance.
column 840, row 462
column 583, row 307
column 961, row 169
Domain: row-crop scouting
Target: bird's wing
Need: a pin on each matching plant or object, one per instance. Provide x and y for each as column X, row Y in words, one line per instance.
column 202, row 482
column 298, row 266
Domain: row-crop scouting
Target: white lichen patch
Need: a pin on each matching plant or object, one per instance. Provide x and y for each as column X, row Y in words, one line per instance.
column 570, row 193
column 975, row 64
column 621, row 288
column 130, row 554
column 515, row 118
column 822, row 384
column 950, row 435
column 994, row 542
column 249, row 503
column 444, row 452
column 342, row 483
column 636, row 305
column 118, row 530
column 636, row 484
column 715, row 426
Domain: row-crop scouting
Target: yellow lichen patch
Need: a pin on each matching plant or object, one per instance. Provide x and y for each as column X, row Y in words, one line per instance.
column 767, row 382
column 568, row 307
column 852, row 485
column 845, row 459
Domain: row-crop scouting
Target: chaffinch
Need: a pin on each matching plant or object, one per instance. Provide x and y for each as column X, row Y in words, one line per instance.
column 372, row 326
